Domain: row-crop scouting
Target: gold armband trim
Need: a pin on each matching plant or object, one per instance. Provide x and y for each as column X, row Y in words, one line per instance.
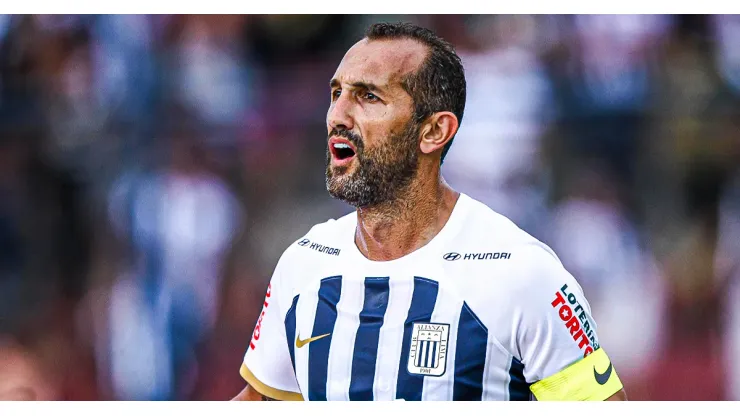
column 266, row 390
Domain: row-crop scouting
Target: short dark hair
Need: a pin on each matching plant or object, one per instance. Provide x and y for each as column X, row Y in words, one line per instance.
column 439, row 84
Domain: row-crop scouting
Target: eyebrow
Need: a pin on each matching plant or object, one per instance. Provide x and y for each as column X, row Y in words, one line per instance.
column 359, row 85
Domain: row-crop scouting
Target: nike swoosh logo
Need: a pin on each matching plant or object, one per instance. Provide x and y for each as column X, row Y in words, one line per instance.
column 299, row 343
column 603, row 377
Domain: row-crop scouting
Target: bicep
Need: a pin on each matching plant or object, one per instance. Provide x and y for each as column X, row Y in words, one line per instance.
column 268, row 363
column 556, row 337
column 554, row 326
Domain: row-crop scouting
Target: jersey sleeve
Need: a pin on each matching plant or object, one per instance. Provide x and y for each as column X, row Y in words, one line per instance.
column 555, row 335
column 268, row 366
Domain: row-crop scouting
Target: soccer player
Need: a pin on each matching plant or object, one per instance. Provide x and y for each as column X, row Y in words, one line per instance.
column 423, row 293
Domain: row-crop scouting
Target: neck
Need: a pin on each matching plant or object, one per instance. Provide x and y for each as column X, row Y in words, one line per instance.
column 393, row 229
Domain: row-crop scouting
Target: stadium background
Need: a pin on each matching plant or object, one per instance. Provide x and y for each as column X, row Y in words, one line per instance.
column 153, row 168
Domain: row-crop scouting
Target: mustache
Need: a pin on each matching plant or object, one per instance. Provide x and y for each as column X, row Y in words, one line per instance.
column 346, row 134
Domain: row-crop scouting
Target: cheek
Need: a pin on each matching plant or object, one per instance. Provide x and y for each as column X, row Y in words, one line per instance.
column 375, row 137
column 378, row 124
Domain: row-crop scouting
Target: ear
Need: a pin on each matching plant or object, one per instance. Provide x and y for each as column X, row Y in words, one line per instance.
column 438, row 129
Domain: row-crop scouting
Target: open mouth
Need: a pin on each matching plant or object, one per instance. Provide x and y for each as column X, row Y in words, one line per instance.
column 342, row 150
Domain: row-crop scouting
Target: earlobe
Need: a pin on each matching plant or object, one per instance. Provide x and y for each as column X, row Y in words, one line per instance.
column 437, row 131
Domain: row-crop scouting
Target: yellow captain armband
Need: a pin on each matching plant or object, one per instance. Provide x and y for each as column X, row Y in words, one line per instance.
column 592, row 378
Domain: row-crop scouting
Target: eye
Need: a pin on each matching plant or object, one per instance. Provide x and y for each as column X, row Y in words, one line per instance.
column 370, row 96
column 336, row 93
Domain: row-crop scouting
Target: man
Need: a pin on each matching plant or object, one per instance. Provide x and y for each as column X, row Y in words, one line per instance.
column 423, row 293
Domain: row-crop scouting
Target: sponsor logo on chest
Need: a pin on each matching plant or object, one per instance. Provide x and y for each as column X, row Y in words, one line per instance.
column 453, row 256
column 319, row 247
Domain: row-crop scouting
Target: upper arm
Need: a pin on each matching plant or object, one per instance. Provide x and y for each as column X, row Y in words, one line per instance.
column 555, row 335
column 268, row 361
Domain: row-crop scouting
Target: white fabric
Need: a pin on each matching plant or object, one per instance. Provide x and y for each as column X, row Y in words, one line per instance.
column 511, row 295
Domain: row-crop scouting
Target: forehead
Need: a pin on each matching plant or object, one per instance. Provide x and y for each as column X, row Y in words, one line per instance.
column 382, row 62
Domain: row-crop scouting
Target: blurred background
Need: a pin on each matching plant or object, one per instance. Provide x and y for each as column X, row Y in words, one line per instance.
column 154, row 168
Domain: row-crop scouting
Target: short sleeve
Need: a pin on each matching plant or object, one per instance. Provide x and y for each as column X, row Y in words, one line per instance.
column 554, row 330
column 267, row 365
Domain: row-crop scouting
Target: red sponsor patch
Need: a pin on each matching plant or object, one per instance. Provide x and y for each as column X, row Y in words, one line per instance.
column 575, row 319
column 258, row 327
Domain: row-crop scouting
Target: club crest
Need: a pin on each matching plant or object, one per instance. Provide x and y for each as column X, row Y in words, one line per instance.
column 428, row 349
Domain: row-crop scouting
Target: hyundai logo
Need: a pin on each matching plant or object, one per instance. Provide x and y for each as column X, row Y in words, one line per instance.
column 304, row 242
column 451, row 256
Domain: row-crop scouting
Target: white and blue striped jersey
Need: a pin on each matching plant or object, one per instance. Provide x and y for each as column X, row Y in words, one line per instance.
column 481, row 312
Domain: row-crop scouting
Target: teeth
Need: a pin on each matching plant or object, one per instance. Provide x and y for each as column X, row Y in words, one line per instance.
column 341, row 146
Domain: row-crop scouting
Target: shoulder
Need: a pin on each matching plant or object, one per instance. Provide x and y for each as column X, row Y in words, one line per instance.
column 496, row 251
column 322, row 243
column 484, row 229
column 334, row 228
column 528, row 296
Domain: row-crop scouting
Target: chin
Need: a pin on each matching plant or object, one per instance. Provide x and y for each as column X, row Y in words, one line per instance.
column 338, row 189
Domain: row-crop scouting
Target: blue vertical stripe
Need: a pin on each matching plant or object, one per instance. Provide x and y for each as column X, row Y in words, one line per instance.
column 419, row 354
column 318, row 351
column 290, row 329
column 470, row 356
column 409, row 386
column 518, row 386
column 365, row 354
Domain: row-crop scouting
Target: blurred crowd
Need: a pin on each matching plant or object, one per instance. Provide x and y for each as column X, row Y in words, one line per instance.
column 153, row 168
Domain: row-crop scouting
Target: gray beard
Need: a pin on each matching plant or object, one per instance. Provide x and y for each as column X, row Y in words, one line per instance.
column 382, row 175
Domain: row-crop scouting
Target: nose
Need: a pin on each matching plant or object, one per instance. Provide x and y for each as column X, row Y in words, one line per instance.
column 340, row 114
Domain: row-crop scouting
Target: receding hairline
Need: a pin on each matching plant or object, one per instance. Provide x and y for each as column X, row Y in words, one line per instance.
column 426, row 51
column 413, row 61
